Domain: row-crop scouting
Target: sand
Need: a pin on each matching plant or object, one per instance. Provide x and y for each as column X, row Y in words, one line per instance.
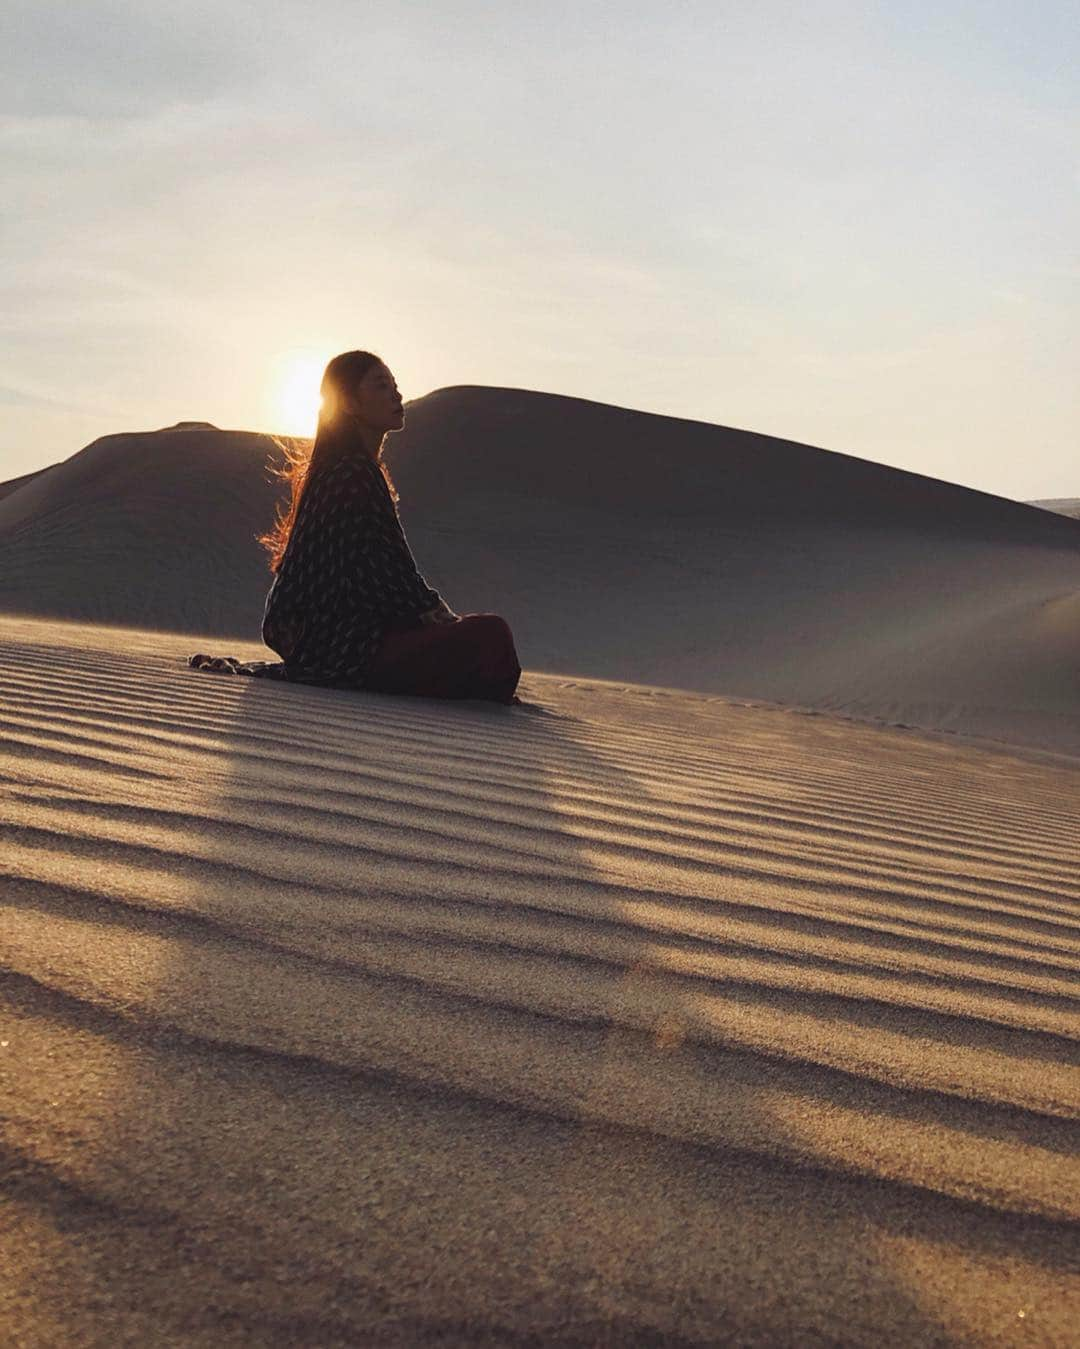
column 1061, row 505
column 619, row 546
column 630, row 1016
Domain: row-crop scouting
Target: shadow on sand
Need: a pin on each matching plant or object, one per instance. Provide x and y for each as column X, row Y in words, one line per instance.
column 398, row 1052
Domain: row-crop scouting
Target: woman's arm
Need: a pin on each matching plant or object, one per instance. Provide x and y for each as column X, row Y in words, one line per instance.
column 390, row 572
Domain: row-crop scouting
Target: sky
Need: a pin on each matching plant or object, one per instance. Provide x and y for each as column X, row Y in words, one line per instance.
column 854, row 225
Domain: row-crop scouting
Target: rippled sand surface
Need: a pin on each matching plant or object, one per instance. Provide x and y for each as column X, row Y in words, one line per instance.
column 627, row 1016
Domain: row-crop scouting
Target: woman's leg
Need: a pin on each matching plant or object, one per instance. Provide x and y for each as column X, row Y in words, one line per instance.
column 471, row 658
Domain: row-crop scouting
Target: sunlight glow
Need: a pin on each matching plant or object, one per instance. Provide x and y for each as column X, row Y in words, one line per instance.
column 293, row 391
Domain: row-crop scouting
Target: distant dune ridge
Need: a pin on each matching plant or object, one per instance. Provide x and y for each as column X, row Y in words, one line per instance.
column 618, row 544
column 1061, row 505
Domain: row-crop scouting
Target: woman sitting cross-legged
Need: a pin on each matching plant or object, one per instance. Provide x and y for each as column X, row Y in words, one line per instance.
column 348, row 607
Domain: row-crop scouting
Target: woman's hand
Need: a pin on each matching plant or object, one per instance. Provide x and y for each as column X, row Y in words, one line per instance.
column 442, row 613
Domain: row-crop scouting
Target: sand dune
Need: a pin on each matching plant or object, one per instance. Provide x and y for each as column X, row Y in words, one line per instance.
column 648, row 1017
column 1061, row 505
column 619, row 545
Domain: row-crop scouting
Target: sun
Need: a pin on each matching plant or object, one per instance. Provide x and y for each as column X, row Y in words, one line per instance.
column 293, row 391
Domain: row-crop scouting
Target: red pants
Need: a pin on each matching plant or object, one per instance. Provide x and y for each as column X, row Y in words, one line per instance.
column 473, row 657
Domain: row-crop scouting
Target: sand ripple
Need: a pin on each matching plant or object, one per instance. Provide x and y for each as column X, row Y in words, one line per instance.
column 336, row 1018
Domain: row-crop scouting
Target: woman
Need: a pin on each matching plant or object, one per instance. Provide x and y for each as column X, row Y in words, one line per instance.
column 348, row 607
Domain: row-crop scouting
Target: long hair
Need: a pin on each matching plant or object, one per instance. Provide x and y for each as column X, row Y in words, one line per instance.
column 335, row 435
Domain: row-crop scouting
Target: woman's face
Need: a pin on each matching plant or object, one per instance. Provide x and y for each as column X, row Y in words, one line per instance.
column 377, row 402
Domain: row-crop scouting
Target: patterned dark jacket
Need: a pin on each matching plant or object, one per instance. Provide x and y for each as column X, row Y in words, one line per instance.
column 346, row 576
